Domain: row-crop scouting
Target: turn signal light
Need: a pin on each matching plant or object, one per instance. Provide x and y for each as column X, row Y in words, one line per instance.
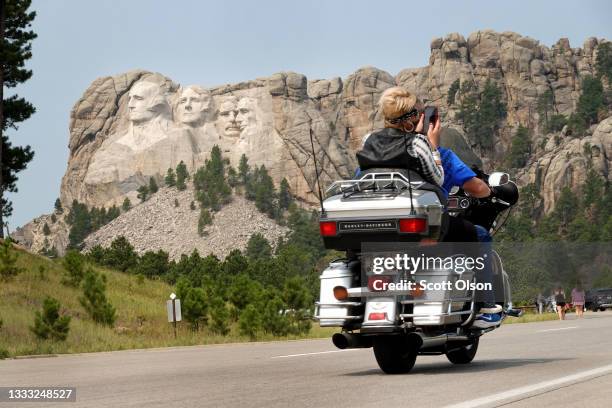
column 328, row 228
column 377, row 316
column 340, row 293
column 413, row 225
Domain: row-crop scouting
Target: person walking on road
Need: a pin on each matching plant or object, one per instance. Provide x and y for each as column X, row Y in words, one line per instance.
column 540, row 301
column 578, row 297
column 559, row 295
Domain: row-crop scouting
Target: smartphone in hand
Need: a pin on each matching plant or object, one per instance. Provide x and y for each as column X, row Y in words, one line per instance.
column 430, row 116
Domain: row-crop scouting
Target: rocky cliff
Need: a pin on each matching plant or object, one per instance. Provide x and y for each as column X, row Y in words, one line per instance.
column 133, row 126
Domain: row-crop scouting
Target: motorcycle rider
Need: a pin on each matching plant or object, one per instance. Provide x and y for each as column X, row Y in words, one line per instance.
column 403, row 113
column 401, row 110
column 458, row 174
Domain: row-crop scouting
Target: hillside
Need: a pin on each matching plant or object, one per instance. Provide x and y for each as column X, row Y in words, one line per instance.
column 140, row 304
column 159, row 224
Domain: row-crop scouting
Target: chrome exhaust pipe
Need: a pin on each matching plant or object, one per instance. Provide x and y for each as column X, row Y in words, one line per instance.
column 424, row 342
column 350, row 341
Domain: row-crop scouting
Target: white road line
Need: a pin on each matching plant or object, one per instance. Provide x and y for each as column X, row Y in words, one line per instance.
column 561, row 328
column 312, row 354
column 484, row 401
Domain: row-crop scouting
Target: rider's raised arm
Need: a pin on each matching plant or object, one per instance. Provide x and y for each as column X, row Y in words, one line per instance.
column 431, row 168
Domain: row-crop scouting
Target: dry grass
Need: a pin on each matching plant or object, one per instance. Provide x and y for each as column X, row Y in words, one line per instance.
column 141, row 314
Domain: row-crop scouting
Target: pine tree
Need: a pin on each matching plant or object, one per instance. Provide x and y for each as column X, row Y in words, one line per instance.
column 127, row 205
column 195, row 307
column 58, row 206
column 121, row 255
column 258, row 247
column 520, row 148
column 15, row 48
column 49, row 324
column 181, row 176
column 73, row 264
column 243, row 169
column 545, row 108
column 46, row 229
column 143, row 193
column 284, row 195
column 204, row 220
column 274, row 319
column 452, row 92
column 153, row 186
column 170, row 179
column 79, row 219
column 53, row 218
column 94, row 299
column 591, row 101
column 219, row 316
column 8, row 261
column 250, row 322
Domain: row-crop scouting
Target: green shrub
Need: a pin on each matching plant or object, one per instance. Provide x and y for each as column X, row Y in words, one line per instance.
column 181, row 176
column 250, row 322
column 8, row 261
column 48, row 324
column 73, row 264
column 94, row 299
column 219, row 316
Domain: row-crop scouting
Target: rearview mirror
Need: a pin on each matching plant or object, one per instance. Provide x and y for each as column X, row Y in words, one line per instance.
column 498, row 179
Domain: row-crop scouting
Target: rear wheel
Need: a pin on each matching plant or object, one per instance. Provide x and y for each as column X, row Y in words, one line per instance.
column 465, row 354
column 395, row 354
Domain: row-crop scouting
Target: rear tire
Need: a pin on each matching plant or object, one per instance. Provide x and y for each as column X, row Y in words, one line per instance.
column 465, row 354
column 395, row 354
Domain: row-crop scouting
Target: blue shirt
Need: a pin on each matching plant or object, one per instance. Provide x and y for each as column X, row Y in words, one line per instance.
column 456, row 172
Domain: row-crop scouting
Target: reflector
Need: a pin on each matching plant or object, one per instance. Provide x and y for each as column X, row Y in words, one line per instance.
column 328, row 228
column 340, row 293
column 413, row 225
column 377, row 316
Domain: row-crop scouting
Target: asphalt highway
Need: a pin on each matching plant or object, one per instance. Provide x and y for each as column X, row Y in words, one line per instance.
column 547, row 364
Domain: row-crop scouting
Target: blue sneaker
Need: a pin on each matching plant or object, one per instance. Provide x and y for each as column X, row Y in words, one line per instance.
column 486, row 320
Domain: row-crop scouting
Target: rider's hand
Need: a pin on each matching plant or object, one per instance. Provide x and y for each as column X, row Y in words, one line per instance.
column 419, row 126
column 433, row 133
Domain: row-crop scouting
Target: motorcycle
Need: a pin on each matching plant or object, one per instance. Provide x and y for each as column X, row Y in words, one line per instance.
column 390, row 206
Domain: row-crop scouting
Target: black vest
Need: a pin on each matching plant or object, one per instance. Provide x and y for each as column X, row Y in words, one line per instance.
column 387, row 148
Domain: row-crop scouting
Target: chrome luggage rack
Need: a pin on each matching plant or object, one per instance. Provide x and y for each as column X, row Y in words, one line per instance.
column 372, row 182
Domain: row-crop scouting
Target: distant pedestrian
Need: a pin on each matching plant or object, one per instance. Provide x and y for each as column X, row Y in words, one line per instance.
column 578, row 297
column 540, row 301
column 559, row 295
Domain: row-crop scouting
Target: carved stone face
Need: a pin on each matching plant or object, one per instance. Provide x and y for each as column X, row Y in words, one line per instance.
column 143, row 102
column 246, row 113
column 226, row 121
column 192, row 106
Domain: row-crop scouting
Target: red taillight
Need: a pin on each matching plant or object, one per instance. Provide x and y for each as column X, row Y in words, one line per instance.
column 413, row 225
column 377, row 316
column 328, row 228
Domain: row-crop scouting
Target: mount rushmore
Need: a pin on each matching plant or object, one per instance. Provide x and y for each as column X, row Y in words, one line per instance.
column 132, row 126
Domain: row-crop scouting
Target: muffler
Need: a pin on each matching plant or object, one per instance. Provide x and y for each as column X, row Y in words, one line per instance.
column 350, row 341
column 424, row 342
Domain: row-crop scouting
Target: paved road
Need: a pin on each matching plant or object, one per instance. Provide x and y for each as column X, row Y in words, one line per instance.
column 548, row 364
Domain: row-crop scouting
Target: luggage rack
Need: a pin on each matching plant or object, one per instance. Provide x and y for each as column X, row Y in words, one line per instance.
column 371, row 182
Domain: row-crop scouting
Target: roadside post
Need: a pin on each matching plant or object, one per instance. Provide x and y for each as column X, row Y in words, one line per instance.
column 173, row 306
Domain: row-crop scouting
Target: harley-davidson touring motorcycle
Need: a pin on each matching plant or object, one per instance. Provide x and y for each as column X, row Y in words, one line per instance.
column 391, row 206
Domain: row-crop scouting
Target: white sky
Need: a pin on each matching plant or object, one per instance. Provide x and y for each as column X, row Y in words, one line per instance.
column 216, row 42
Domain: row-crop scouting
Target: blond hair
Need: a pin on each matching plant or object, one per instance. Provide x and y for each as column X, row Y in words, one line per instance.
column 396, row 102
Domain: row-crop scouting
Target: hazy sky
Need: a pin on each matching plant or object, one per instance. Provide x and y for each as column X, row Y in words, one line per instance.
column 216, row 42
